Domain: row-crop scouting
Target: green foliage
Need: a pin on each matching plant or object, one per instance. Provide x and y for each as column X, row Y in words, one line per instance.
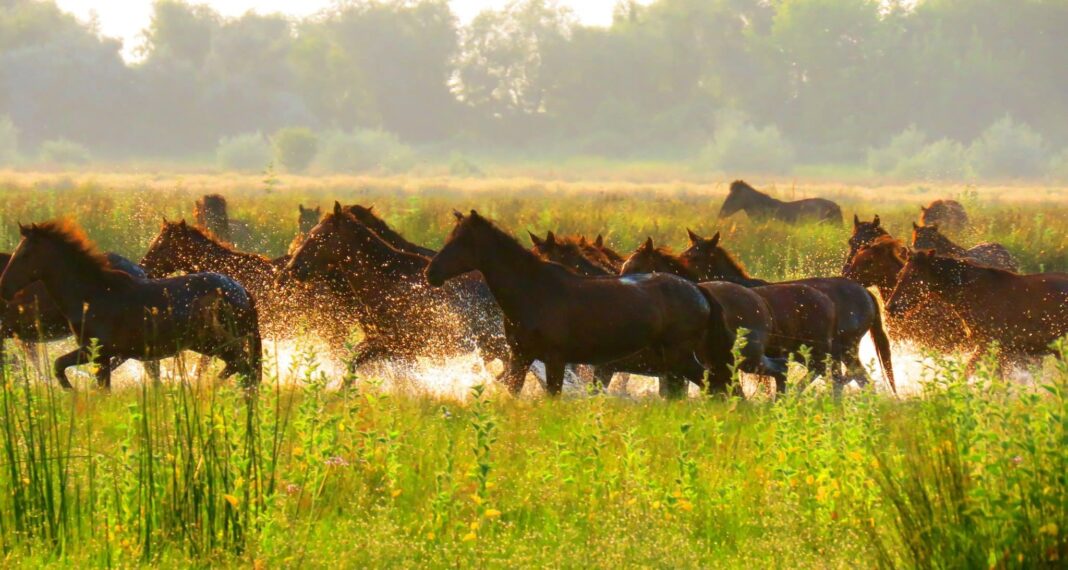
column 363, row 151
column 1058, row 166
column 740, row 147
column 463, row 167
column 908, row 156
column 9, row 142
column 1009, row 150
column 249, row 152
column 295, row 148
column 64, row 152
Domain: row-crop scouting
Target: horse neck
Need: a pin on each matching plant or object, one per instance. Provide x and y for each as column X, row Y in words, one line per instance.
column 75, row 284
column 760, row 200
column 945, row 246
column 216, row 257
column 668, row 264
column 515, row 276
column 392, row 262
column 726, row 269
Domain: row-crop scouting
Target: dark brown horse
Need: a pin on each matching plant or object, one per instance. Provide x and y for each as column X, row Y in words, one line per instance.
column 559, row 317
column 864, row 234
column 615, row 260
column 366, row 216
column 399, row 314
column 306, row 220
column 570, row 252
column 211, row 213
column 760, row 206
column 988, row 253
column 1024, row 314
column 129, row 317
column 947, row 214
column 857, row 310
column 800, row 315
column 931, row 323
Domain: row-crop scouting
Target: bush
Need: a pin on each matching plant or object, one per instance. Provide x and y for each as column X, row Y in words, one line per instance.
column 1058, row 166
column 906, row 145
column 463, row 167
column 738, row 146
column 365, row 150
column 295, row 148
column 9, row 142
column 1008, row 150
column 64, row 152
column 248, row 152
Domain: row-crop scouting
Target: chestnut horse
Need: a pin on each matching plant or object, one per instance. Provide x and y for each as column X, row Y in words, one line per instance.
column 559, row 317
column 399, row 315
column 307, row 218
column 366, row 216
column 931, row 323
column 615, row 260
column 129, row 317
column 1024, row 314
column 988, row 253
column 760, row 206
column 211, row 213
column 864, row 234
column 800, row 315
column 857, row 310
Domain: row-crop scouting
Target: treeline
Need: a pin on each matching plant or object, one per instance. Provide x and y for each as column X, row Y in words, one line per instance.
column 751, row 84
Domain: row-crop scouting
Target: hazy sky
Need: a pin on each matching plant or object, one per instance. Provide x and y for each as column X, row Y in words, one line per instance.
column 124, row 19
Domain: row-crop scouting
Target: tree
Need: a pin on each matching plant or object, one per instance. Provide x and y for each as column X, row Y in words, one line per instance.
column 295, row 148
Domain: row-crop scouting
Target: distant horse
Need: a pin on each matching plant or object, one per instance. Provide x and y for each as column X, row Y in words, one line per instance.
column 947, row 214
column 931, row 323
column 857, row 309
column 306, row 220
column 615, row 260
column 800, row 315
column 129, row 317
column 400, row 315
column 864, row 234
column 1024, row 314
column 988, row 253
column 210, row 213
column 366, row 216
column 760, row 206
column 559, row 317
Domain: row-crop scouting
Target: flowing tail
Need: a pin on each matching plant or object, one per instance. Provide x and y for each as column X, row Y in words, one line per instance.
column 882, row 343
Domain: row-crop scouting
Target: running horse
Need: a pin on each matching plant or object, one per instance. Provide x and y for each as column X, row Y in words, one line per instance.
column 800, row 316
column 130, row 317
column 857, row 310
column 400, row 316
column 1024, row 314
column 760, row 206
column 987, row 253
column 559, row 317
column 864, row 234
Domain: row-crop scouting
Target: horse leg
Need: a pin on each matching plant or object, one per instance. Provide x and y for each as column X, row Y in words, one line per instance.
column 554, row 375
column 72, row 358
column 152, row 369
column 105, row 365
column 515, row 373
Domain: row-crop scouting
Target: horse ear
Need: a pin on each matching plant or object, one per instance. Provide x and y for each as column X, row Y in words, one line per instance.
column 923, row 208
column 582, row 240
column 715, row 240
column 474, row 213
column 371, row 208
column 534, row 239
column 550, row 238
column 915, row 226
column 459, row 217
column 183, row 224
column 648, row 245
column 300, row 207
column 23, row 230
column 599, row 242
column 337, row 208
column 165, row 222
column 876, row 221
column 694, row 238
column 318, row 209
column 856, row 220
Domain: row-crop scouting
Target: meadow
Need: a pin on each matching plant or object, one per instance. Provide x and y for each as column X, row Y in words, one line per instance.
column 443, row 468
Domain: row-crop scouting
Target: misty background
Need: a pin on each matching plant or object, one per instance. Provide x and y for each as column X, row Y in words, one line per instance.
column 935, row 89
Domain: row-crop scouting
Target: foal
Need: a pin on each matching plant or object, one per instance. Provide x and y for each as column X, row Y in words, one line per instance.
column 131, row 317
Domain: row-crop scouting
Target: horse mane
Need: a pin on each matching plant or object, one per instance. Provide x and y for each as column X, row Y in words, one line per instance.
column 214, row 240
column 944, row 265
column 888, row 243
column 941, row 239
column 71, row 238
column 505, row 241
column 733, row 262
column 347, row 216
column 666, row 256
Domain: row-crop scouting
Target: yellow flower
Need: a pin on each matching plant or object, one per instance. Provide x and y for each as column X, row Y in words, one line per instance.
column 297, row 451
column 470, row 537
column 1050, row 529
column 476, row 499
column 656, row 504
column 686, row 505
column 677, row 494
column 396, row 493
column 474, row 526
column 232, row 500
column 856, row 456
column 430, row 535
column 810, row 479
column 492, row 513
column 632, row 502
column 490, row 485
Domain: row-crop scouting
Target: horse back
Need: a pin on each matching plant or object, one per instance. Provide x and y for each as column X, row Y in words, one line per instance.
column 741, row 306
column 993, row 255
column 819, row 209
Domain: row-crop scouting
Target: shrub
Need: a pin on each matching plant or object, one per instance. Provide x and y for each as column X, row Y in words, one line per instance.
column 904, row 146
column 64, row 152
column 1008, row 150
column 944, row 159
column 9, row 141
column 738, row 146
column 365, row 150
column 248, row 152
column 295, row 148
column 1058, row 166
column 463, row 167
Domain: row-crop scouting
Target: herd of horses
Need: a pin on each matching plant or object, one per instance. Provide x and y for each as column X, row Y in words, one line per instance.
column 692, row 317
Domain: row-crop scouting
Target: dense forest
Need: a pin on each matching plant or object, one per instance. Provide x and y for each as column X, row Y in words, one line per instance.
column 935, row 88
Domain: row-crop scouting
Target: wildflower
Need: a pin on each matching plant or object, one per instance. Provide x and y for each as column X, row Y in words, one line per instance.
column 396, row 493
column 336, row 461
column 492, row 513
column 232, row 500
column 810, row 479
column 430, row 535
column 474, row 526
column 656, row 505
column 1017, row 460
column 1050, row 529
column 856, row 456
column 686, row 505
column 470, row 537
column 298, row 451
column 476, row 499
column 292, row 488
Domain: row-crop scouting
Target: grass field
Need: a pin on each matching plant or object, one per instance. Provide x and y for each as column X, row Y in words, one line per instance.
column 437, row 468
